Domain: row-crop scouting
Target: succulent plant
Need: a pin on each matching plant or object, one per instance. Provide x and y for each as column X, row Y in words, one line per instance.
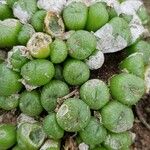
column 28, row 101
column 51, row 127
column 127, row 88
column 75, row 75
column 117, row 117
column 8, row 136
column 9, row 102
column 73, row 115
column 9, row 81
column 9, row 30
column 58, row 51
column 48, row 58
column 97, row 17
column 95, row 93
column 38, row 72
column 81, row 44
column 30, row 136
column 37, row 20
column 51, row 92
column 75, row 16
column 94, row 133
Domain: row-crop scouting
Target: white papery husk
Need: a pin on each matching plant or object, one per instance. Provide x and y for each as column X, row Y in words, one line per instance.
column 107, row 42
column 147, row 79
column 3, row 2
column 50, row 144
column 130, row 8
column 96, row 60
column 24, row 52
column 52, row 5
column 28, row 86
column 23, row 15
column 23, row 118
column 83, row 146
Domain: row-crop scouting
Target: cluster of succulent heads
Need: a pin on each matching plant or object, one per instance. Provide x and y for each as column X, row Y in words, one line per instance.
column 48, row 49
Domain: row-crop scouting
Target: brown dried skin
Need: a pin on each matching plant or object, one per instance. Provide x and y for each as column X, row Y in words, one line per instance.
column 54, row 24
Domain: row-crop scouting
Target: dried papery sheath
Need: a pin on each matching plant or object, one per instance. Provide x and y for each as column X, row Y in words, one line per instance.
column 87, row 2
column 54, row 24
column 3, row 55
column 24, row 9
column 3, row 2
column 96, row 60
column 17, row 57
column 147, row 79
column 83, row 146
column 27, row 86
column 51, row 5
column 50, row 144
column 107, row 42
column 22, row 118
column 130, row 10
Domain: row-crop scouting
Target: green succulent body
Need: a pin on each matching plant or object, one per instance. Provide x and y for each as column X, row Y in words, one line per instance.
column 141, row 47
column 134, row 64
column 10, row 3
column 30, row 136
column 118, row 141
column 94, row 133
column 143, row 15
column 37, row 20
column 127, row 88
column 58, row 51
column 5, row 12
column 9, row 81
column 10, row 102
column 75, row 75
column 28, row 101
column 51, row 127
column 9, row 30
column 73, row 115
column 7, row 136
column 38, row 72
column 24, row 35
column 81, row 44
column 51, row 92
column 111, row 12
column 95, row 93
column 97, row 17
column 117, row 117
column 75, row 16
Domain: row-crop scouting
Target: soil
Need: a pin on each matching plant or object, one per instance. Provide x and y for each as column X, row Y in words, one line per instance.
column 142, row 110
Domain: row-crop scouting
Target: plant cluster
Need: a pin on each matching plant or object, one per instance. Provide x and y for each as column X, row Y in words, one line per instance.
column 51, row 47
